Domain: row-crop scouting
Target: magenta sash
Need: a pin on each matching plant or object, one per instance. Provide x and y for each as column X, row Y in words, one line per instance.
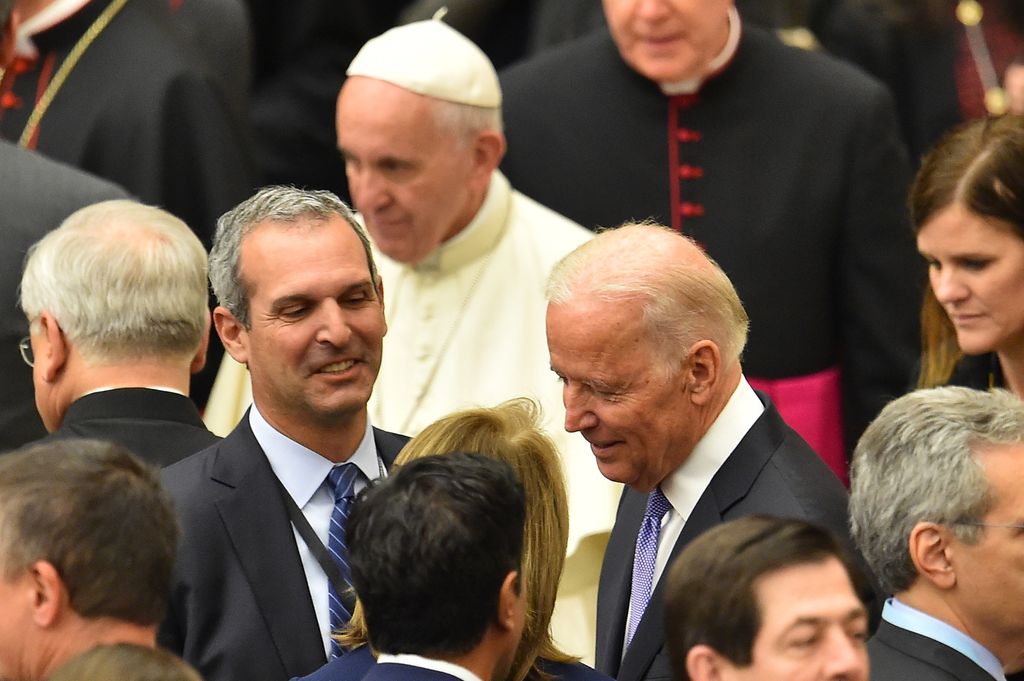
column 812, row 406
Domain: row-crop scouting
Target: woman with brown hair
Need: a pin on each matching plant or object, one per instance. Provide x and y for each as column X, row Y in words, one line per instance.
column 511, row 433
column 967, row 208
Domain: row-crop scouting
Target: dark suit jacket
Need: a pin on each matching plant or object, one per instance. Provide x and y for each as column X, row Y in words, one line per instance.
column 240, row 606
column 36, row 194
column 772, row 471
column 897, row 655
column 404, row 672
column 354, row 665
column 159, row 426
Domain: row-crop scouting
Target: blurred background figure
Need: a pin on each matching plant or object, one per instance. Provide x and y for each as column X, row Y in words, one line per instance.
column 125, row 662
column 36, row 194
column 967, row 207
column 765, row 599
column 945, row 61
column 510, row 433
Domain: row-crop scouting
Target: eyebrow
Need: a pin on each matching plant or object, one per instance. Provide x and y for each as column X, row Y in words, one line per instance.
column 854, row 614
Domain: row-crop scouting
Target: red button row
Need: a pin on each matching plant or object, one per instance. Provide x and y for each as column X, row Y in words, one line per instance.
column 9, row 100
column 691, row 210
column 688, row 135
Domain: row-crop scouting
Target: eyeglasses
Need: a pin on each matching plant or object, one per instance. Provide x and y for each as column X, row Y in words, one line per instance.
column 25, row 346
column 974, row 523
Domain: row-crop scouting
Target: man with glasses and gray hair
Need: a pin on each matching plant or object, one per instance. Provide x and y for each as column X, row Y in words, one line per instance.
column 937, row 509
column 116, row 304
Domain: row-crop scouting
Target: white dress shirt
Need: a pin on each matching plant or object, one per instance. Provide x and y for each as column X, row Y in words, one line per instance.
column 685, row 485
column 303, row 473
column 455, row 670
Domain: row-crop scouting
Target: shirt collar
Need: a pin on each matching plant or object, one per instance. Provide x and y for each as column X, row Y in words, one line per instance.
column 431, row 664
column 686, row 87
column 300, row 469
column 907, row 617
column 479, row 237
column 684, row 486
column 53, row 14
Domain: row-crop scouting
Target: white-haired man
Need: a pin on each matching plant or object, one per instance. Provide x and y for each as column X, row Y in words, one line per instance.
column 116, row 304
column 645, row 332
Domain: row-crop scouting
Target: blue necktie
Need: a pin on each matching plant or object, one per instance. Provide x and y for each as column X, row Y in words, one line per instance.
column 342, row 481
column 644, row 559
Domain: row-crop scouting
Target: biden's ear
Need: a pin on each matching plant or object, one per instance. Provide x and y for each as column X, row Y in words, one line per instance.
column 703, row 371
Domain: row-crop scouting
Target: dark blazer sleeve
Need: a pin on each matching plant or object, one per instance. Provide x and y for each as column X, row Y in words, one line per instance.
column 240, row 606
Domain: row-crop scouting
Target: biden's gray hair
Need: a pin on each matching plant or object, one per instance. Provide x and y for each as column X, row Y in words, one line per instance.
column 680, row 303
column 123, row 280
column 280, row 204
column 917, row 462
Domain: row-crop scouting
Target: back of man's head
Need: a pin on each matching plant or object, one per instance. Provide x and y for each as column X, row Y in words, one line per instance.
column 715, row 601
column 430, row 549
column 917, row 462
column 123, row 281
column 96, row 514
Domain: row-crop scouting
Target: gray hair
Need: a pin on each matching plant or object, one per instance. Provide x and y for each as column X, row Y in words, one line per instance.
column 680, row 303
column 123, row 280
column 465, row 121
column 917, row 463
column 276, row 204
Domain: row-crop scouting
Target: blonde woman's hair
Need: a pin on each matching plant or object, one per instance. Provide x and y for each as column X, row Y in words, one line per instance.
column 509, row 433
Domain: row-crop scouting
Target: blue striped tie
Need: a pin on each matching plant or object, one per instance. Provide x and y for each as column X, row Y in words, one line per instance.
column 341, row 480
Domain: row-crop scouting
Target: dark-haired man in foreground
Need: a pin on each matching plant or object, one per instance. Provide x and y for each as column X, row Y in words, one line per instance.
column 435, row 559
column 767, row 599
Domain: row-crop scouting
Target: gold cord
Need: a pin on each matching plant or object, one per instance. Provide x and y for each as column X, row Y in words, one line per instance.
column 41, row 107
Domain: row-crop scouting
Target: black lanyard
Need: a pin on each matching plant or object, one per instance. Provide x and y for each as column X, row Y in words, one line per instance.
column 342, row 589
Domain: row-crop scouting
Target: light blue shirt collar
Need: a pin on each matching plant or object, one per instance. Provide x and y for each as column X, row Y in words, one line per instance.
column 906, row 617
column 300, row 469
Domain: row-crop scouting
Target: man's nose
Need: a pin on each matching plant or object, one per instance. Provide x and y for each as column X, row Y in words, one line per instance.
column 578, row 415
column 332, row 325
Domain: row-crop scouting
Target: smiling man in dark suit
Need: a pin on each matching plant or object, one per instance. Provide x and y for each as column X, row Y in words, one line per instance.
column 261, row 578
column 936, row 507
column 116, row 306
column 646, row 332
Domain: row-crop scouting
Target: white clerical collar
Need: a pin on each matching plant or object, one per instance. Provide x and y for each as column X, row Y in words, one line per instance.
column 479, row 237
column 300, row 469
column 684, row 486
column 51, row 15
column 427, row 663
column 688, row 87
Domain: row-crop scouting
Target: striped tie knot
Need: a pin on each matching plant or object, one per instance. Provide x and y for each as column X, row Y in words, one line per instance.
column 342, row 480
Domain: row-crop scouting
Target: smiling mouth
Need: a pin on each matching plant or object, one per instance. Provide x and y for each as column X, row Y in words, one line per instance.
column 338, row 367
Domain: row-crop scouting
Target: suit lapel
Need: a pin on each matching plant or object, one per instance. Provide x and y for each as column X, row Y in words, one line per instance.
column 257, row 525
column 731, row 483
column 614, row 586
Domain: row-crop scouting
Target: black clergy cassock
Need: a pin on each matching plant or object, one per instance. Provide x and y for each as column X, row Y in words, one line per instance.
column 787, row 166
column 137, row 109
